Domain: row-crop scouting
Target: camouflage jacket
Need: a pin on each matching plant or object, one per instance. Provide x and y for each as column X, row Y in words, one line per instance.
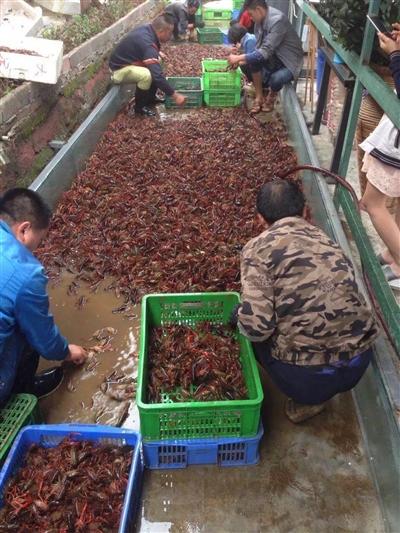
column 299, row 290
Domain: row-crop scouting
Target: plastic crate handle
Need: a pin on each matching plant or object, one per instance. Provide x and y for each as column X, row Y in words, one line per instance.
column 76, row 428
column 191, row 305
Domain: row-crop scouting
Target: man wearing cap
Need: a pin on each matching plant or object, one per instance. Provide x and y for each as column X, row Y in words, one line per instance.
column 182, row 15
column 136, row 59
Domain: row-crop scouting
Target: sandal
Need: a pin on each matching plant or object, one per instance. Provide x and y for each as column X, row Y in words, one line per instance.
column 257, row 107
column 297, row 412
column 269, row 103
column 391, row 277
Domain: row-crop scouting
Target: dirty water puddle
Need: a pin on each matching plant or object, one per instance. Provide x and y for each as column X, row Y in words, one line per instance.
column 101, row 391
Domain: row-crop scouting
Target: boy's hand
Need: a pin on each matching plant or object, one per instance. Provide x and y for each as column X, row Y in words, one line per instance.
column 234, row 59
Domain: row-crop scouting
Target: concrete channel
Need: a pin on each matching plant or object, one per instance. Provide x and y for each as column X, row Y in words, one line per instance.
column 338, row 472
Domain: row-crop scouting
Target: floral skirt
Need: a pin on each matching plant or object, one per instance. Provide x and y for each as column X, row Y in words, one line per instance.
column 384, row 177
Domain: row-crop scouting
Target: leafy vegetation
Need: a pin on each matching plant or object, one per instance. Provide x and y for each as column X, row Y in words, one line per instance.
column 97, row 18
column 347, row 19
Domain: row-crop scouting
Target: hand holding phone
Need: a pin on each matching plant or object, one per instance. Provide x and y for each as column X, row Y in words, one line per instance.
column 379, row 25
column 388, row 44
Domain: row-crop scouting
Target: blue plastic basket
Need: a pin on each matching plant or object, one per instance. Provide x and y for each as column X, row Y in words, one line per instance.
column 235, row 14
column 225, row 39
column 51, row 435
column 234, row 451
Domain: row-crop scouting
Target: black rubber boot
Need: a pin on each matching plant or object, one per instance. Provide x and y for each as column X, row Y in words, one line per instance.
column 47, row 382
column 154, row 99
column 141, row 103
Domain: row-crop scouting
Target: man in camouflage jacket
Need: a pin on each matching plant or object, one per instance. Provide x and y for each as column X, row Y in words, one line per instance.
column 310, row 326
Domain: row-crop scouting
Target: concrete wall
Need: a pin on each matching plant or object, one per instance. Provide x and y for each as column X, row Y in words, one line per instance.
column 34, row 114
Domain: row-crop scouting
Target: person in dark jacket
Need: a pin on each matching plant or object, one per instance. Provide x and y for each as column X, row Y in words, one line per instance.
column 136, row 59
column 278, row 56
column 27, row 329
column 182, row 15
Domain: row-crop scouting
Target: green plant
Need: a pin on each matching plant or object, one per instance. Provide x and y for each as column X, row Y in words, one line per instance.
column 82, row 27
column 347, row 19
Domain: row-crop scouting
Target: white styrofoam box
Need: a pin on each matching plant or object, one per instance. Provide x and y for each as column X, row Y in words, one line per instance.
column 219, row 4
column 17, row 17
column 65, row 7
column 43, row 66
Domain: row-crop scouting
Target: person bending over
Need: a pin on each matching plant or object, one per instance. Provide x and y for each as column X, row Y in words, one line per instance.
column 27, row 329
column 310, row 326
column 278, row 56
column 182, row 15
column 243, row 42
column 136, row 59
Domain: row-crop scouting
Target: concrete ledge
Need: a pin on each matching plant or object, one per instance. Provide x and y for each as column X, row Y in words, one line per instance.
column 34, row 114
column 18, row 105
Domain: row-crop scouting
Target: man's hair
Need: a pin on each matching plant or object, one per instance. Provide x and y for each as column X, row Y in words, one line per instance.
column 193, row 3
column 20, row 205
column 252, row 4
column 161, row 22
column 236, row 33
column 279, row 199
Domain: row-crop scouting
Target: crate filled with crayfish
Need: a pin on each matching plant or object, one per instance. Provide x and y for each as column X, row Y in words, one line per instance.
column 197, row 377
column 72, row 478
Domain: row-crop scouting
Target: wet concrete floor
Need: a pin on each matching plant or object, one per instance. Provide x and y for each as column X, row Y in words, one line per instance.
column 312, row 478
column 86, row 395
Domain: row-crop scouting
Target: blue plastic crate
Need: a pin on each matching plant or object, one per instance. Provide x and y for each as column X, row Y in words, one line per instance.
column 51, row 435
column 225, row 39
column 235, row 14
column 234, row 451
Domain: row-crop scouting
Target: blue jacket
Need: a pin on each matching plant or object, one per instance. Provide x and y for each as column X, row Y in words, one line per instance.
column 248, row 43
column 25, row 320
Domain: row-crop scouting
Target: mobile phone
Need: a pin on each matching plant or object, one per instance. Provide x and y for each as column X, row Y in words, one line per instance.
column 379, row 25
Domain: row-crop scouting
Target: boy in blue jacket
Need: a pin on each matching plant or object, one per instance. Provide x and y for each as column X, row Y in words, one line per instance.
column 243, row 42
column 27, row 328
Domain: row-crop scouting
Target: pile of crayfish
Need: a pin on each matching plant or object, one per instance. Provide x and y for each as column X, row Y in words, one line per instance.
column 73, row 487
column 200, row 364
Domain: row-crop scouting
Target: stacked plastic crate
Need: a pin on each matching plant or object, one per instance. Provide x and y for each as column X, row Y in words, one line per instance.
column 221, row 84
column 178, row 434
column 191, row 87
column 52, row 435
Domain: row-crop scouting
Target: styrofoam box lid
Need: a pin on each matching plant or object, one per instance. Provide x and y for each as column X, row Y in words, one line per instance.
column 43, row 47
column 219, row 4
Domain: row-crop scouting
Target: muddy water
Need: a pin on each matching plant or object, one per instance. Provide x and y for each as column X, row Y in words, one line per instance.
column 80, row 398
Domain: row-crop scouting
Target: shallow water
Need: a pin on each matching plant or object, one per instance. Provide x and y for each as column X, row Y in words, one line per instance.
column 79, row 398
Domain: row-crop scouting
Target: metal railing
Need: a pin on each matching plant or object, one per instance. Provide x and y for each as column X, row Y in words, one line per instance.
column 388, row 101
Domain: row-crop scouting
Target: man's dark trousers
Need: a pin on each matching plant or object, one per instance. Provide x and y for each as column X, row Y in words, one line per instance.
column 312, row 385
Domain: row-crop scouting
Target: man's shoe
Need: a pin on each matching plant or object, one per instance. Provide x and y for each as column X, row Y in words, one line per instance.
column 48, row 381
column 147, row 112
column 297, row 412
column 158, row 99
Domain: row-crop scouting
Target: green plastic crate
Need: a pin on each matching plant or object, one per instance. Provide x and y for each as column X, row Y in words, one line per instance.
column 222, row 98
column 214, row 79
column 210, row 36
column 198, row 17
column 190, row 87
column 187, row 420
column 238, row 4
column 19, row 411
column 220, row 24
column 216, row 14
